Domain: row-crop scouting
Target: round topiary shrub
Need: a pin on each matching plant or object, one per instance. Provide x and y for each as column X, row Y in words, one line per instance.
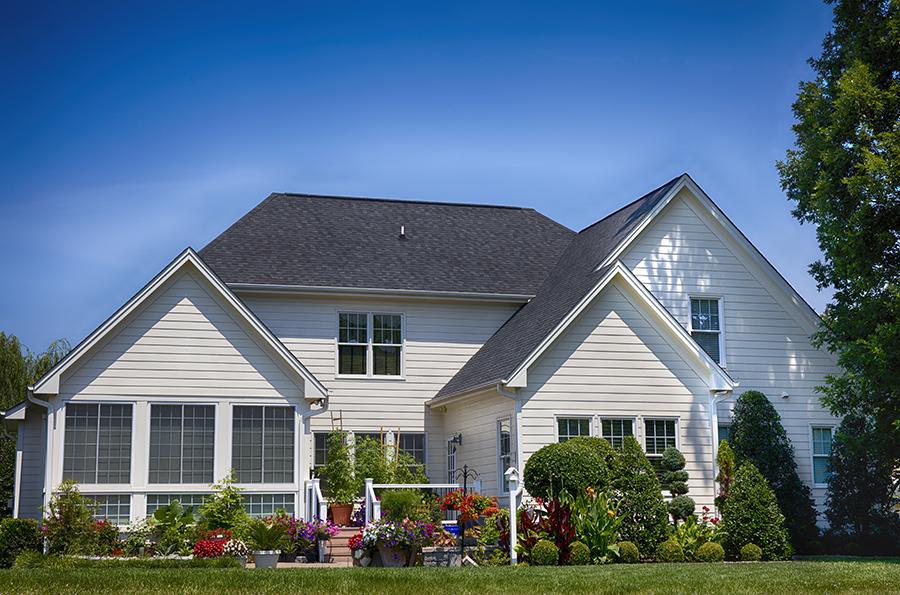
column 545, row 553
column 710, row 552
column 669, row 551
column 579, row 554
column 751, row 553
column 629, row 553
column 572, row 465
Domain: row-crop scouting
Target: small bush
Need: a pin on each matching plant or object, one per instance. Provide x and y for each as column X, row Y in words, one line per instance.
column 545, row 553
column 579, row 554
column 573, row 465
column 401, row 504
column 751, row 553
column 710, row 552
column 669, row 551
column 17, row 536
column 629, row 553
column 751, row 515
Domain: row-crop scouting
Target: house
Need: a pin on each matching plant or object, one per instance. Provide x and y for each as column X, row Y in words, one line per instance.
column 464, row 334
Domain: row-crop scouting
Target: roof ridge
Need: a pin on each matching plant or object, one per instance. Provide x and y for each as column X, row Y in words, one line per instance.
column 632, row 203
column 403, row 200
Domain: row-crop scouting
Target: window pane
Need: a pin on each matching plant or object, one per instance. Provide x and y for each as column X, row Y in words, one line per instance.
column 570, row 427
column 615, row 430
column 351, row 359
column 386, row 361
column 165, row 444
column 198, row 448
column 80, row 450
column 114, row 444
column 353, row 328
column 386, row 329
column 278, row 451
column 709, row 342
column 247, row 443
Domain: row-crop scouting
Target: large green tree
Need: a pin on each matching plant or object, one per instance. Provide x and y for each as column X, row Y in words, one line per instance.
column 844, row 176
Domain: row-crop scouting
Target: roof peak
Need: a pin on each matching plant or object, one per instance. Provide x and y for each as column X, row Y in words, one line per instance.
column 401, row 200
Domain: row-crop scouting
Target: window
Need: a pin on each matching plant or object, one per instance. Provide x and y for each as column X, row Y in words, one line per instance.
column 659, row 434
column 821, row 451
column 725, row 432
column 97, row 445
column 115, row 509
column 263, row 444
column 361, row 353
column 504, row 451
column 155, row 501
column 572, row 427
column 706, row 327
column 260, row 505
column 413, row 445
column 615, row 430
column 182, row 443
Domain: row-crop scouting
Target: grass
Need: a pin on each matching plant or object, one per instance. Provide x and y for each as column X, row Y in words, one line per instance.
column 794, row 577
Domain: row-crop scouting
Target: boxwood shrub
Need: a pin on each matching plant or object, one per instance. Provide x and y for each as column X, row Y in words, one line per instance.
column 572, row 465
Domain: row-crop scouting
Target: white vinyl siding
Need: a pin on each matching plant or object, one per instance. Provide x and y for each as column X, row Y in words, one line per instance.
column 97, row 443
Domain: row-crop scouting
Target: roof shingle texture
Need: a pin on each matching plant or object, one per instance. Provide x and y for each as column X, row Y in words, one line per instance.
column 565, row 286
column 308, row 240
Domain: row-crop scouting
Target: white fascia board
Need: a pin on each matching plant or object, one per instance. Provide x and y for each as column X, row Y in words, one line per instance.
column 715, row 377
column 49, row 384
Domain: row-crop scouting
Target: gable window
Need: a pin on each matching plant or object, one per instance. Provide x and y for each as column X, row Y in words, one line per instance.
column 262, row 448
column 615, row 430
column 706, row 327
column 97, row 447
column 370, row 344
column 182, row 443
column 571, row 427
column 821, row 452
column 504, row 451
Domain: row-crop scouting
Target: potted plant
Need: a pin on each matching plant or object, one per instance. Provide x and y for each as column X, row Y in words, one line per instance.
column 338, row 472
column 267, row 540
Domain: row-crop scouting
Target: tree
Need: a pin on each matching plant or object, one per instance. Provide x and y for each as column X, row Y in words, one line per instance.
column 757, row 436
column 860, row 491
column 645, row 520
column 844, row 176
column 751, row 515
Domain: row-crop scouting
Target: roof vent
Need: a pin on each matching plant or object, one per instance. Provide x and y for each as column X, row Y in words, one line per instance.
column 402, row 232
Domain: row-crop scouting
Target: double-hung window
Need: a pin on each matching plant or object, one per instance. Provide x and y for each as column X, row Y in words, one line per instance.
column 572, row 427
column 615, row 430
column 504, row 451
column 706, row 327
column 262, row 448
column 821, row 453
column 182, row 443
column 97, row 447
column 370, row 344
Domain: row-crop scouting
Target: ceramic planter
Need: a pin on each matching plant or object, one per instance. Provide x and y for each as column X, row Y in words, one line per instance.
column 341, row 513
column 266, row 558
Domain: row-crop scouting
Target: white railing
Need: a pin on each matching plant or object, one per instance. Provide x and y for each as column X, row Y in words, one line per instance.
column 373, row 505
column 315, row 506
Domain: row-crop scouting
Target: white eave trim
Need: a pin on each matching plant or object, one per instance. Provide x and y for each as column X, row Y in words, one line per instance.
column 377, row 291
column 716, row 378
column 49, row 384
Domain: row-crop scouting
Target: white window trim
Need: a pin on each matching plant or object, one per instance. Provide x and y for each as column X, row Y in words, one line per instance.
column 110, row 489
column 370, row 344
column 559, row 416
column 633, row 420
column 501, row 473
column 813, row 456
column 643, row 430
column 216, row 443
column 721, row 301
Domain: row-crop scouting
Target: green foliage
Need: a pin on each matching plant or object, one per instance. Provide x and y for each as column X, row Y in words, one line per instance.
column 669, row 551
column 751, row 515
column 266, row 536
column 628, row 553
column 17, row 536
column 751, row 553
column 544, row 553
column 224, row 508
column 69, row 521
column 573, row 465
column 861, row 489
column 727, row 465
column 844, row 176
column 645, row 520
column 710, row 552
column 35, row 560
column 692, row 535
column 596, row 521
column 338, row 472
column 759, row 438
column 579, row 554
column 175, row 528
column 401, row 504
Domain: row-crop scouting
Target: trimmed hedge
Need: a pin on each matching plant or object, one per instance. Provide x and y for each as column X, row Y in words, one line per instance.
column 18, row 536
column 545, row 553
column 711, row 552
column 628, row 553
column 573, row 465
column 54, row 562
column 751, row 515
column 579, row 554
column 669, row 551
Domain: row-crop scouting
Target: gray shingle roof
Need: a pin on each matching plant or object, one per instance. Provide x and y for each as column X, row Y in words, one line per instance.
column 322, row 241
column 565, row 286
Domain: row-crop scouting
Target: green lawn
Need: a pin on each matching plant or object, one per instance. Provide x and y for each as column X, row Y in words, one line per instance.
column 792, row 577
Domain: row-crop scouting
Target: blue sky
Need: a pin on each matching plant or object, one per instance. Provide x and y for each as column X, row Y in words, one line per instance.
column 131, row 130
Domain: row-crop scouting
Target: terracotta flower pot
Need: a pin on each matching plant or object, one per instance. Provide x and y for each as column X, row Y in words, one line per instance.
column 340, row 514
